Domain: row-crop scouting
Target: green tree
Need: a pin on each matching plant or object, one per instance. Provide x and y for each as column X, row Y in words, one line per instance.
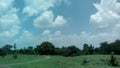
column 46, row 48
column 7, row 48
column 58, row 51
column 85, row 49
column 15, row 52
column 29, row 50
column 105, row 48
column 91, row 49
column 113, row 60
column 72, row 51
column 2, row 53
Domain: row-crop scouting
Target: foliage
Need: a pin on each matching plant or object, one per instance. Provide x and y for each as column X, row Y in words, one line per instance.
column 113, row 60
column 7, row 48
column 72, row 51
column 46, row 48
column 3, row 53
column 106, row 48
column 15, row 52
column 87, row 50
column 15, row 56
column 91, row 61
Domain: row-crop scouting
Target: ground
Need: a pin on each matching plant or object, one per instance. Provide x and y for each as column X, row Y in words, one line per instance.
column 36, row 61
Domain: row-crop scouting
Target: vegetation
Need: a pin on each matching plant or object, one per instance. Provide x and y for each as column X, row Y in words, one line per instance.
column 71, row 51
column 46, row 48
column 63, row 57
column 90, row 61
column 113, row 60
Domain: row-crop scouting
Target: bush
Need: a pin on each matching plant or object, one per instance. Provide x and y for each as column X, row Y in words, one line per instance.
column 85, row 61
column 46, row 48
column 113, row 60
column 71, row 51
column 15, row 55
column 3, row 53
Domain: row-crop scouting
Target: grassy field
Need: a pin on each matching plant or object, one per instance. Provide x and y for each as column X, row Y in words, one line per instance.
column 35, row 61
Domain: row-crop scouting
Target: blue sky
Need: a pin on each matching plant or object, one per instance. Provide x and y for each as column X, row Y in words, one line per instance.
column 62, row 22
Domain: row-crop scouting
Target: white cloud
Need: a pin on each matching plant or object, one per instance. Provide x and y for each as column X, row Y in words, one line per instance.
column 9, row 20
column 59, row 21
column 107, row 17
column 26, row 39
column 46, row 19
column 5, row 4
column 42, row 9
column 107, row 14
column 9, row 25
column 37, row 6
column 57, row 33
column 46, row 32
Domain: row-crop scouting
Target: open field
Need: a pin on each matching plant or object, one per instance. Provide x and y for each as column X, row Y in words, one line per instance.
column 35, row 61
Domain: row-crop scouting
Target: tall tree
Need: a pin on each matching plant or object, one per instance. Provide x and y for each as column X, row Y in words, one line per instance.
column 91, row 49
column 72, row 51
column 2, row 53
column 15, row 52
column 104, row 48
column 7, row 48
column 46, row 48
column 85, row 49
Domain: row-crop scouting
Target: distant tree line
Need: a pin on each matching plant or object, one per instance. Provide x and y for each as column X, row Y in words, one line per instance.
column 47, row 48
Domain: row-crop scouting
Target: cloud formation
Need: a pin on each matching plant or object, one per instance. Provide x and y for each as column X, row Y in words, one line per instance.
column 34, row 7
column 9, row 20
column 107, row 14
column 5, row 5
column 46, row 19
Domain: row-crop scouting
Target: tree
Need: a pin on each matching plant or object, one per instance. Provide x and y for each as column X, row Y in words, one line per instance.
column 85, row 49
column 113, row 60
column 46, row 48
column 115, row 47
column 15, row 53
column 91, row 49
column 58, row 51
column 72, row 51
column 29, row 50
column 2, row 53
column 104, row 48
column 7, row 48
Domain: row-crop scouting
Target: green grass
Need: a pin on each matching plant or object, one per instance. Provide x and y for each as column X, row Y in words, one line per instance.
column 90, row 61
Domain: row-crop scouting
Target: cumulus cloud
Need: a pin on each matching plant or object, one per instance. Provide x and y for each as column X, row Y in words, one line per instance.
column 46, row 19
column 42, row 9
column 9, row 20
column 5, row 4
column 59, row 21
column 34, row 7
column 107, row 19
column 9, row 25
column 26, row 39
column 107, row 14
column 37, row 6
column 58, row 33
column 46, row 32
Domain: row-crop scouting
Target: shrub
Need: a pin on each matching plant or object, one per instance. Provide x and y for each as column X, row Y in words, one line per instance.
column 85, row 61
column 113, row 60
column 3, row 53
column 15, row 55
column 71, row 51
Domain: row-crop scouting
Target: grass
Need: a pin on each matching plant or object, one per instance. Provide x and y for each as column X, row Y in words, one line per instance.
column 89, row 61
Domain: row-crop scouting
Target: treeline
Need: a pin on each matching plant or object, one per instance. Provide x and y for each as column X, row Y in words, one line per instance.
column 47, row 48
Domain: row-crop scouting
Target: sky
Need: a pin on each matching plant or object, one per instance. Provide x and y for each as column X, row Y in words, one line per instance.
column 62, row 22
